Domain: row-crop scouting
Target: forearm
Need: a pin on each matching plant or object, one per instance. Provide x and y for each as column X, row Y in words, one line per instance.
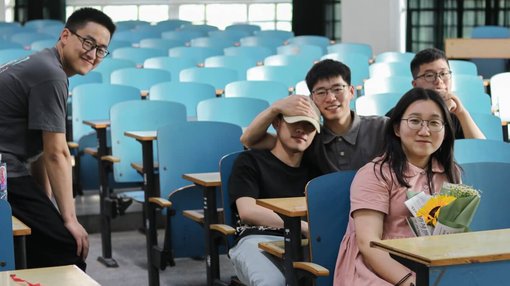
column 262, row 216
column 469, row 127
column 385, row 266
column 255, row 135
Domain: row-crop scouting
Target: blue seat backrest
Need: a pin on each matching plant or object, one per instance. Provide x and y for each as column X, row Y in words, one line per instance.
column 226, row 164
column 193, row 147
column 138, row 115
column 215, row 76
column 479, row 150
column 93, row 101
column 489, row 124
column 108, row 65
column 236, row 110
column 328, row 200
column 359, row 48
column 142, row 79
column 493, row 181
column 257, row 53
column 267, row 90
column 173, row 65
column 90, row 77
column 138, row 55
column 7, row 249
column 377, row 104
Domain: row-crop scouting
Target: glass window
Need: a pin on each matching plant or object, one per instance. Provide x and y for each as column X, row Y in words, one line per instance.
column 215, row 14
column 121, row 12
column 193, row 13
column 284, row 12
column 261, row 12
column 153, row 13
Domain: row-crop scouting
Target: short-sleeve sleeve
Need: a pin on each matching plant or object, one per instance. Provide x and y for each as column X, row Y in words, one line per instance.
column 245, row 178
column 369, row 191
column 47, row 106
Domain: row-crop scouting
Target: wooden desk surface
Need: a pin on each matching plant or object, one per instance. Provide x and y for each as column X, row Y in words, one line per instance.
column 69, row 275
column 142, row 135
column 453, row 249
column 19, row 228
column 477, row 48
column 97, row 123
column 212, row 179
column 291, row 207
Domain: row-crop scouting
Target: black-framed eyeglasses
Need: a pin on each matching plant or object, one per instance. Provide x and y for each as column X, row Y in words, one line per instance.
column 432, row 76
column 89, row 45
column 415, row 123
column 336, row 90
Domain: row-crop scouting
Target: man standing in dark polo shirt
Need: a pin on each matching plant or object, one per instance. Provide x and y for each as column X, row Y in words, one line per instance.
column 347, row 141
column 32, row 129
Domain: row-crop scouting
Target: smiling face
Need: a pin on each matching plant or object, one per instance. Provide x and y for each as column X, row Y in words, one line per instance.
column 77, row 60
column 418, row 145
column 440, row 85
column 294, row 137
column 333, row 107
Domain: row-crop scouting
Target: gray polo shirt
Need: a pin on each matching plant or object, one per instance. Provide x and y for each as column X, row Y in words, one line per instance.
column 364, row 141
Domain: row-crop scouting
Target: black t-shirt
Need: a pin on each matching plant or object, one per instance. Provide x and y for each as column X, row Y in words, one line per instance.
column 259, row 174
column 457, row 128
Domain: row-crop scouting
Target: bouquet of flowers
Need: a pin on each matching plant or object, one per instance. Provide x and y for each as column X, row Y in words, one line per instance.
column 450, row 211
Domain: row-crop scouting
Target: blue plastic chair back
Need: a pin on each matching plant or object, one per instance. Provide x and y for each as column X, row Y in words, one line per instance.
column 243, row 27
column 209, row 42
column 53, row 30
column 42, row 44
column 196, row 54
column 357, row 62
column 173, row 65
column 229, row 35
column 93, row 102
column 108, row 65
column 183, row 36
column 201, row 28
column 262, row 41
column 7, row 249
column 269, row 91
column 130, row 24
column 187, row 93
column 348, row 48
column 238, row 63
column 276, row 34
column 489, row 124
column 493, row 180
column 328, row 200
column 298, row 62
column 27, row 38
column 236, row 110
column 172, row 24
column 394, row 84
column 162, row 44
column 138, row 55
column 5, row 44
column 387, row 69
column 285, row 74
column 394, row 57
column 217, row 77
column 320, row 41
column 226, row 165
column 193, row 147
column 138, row 115
column 135, row 36
column 462, row 67
column 9, row 55
column 142, row 79
column 377, row 104
column 308, row 51
column 467, row 84
column 42, row 23
column 116, row 44
column 90, row 77
column 479, row 150
column 257, row 53
column 475, row 102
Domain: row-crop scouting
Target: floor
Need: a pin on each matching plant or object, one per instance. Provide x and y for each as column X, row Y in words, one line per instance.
column 129, row 252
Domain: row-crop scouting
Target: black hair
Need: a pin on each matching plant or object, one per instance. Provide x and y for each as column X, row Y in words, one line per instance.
column 82, row 16
column 393, row 153
column 426, row 56
column 327, row 69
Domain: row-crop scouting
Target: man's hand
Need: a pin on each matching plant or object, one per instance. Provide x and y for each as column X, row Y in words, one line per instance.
column 81, row 237
column 294, row 105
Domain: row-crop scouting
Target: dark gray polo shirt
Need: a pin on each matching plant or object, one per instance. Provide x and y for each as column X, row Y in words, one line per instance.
column 364, row 141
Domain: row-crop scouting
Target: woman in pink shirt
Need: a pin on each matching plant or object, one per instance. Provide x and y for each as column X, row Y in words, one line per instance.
column 418, row 156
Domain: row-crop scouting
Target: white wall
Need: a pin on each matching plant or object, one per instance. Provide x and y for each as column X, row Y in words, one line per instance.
column 380, row 23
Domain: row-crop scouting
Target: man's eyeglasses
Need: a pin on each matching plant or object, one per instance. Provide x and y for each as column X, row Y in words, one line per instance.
column 432, row 76
column 336, row 90
column 89, row 45
column 434, row 125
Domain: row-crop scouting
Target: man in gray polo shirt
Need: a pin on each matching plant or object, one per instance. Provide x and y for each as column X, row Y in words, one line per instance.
column 347, row 141
column 32, row 129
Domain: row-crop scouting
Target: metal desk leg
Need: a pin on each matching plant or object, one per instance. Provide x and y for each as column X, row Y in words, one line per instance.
column 292, row 237
column 20, row 252
column 210, row 217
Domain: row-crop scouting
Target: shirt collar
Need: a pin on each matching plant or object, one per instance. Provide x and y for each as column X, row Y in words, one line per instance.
column 328, row 136
column 412, row 170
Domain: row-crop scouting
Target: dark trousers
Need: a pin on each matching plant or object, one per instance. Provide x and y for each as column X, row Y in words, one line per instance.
column 50, row 243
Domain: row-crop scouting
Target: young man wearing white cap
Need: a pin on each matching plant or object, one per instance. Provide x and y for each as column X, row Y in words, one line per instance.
column 273, row 173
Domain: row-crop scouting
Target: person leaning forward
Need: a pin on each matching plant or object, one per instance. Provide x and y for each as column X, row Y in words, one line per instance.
column 32, row 124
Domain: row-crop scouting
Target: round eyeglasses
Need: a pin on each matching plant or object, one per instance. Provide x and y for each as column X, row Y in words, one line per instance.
column 432, row 76
column 434, row 125
column 336, row 90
